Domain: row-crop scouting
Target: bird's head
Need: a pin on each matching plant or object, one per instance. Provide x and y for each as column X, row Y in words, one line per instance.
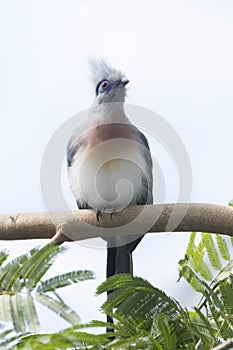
column 110, row 83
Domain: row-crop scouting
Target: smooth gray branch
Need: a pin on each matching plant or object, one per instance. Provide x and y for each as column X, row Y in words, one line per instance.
column 82, row 224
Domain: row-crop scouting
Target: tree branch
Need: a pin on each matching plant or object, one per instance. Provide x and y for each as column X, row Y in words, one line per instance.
column 228, row 344
column 82, row 224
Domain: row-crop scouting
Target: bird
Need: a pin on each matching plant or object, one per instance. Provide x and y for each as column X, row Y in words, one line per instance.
column 109, row 161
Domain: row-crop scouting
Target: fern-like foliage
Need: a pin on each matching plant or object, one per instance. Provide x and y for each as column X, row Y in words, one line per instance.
column 205, row 257
column 54, row 283
column 66, row 339
column 147, row 318
column 156, row 321
column 216, row 304
column 160, row 323
column 134, row 297
column 22, row 287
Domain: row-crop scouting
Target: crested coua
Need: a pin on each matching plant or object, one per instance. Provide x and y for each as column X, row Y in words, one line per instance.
column 109, row 161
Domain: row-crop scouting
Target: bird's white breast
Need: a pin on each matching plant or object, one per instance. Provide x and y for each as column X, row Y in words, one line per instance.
column 108, row 176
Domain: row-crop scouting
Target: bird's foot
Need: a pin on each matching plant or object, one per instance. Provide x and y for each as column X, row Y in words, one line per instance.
column 98, row 215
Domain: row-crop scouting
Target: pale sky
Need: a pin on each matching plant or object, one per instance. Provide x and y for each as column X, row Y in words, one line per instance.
column 178, row 56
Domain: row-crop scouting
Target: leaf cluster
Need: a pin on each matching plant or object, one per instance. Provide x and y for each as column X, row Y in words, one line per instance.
column 22, row 287
column 147, row 318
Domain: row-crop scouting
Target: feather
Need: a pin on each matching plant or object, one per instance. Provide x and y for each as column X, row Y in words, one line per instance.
column 101, row 70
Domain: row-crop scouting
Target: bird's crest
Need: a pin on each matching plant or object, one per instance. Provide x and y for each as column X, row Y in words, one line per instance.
column 101, row 70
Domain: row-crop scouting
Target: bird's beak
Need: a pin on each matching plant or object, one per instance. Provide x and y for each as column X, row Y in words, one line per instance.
column 124, row 81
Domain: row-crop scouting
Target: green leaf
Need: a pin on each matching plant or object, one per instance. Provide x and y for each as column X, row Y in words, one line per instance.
column 17, row 315
column 27, row 269
column 191, row 245
column 121, row 281
column 3, row 257
column 64, row 280
column 30, row 313
column 39, row 264
column 59, row 308
column 136, row 298
column 189, row 275
column 9, row 338
column 5, row 308
column 19, row 309
column 197, row 259
column 223, row 248
column 205, row 272
column 11, row 272
column 164, row 332
column 211, row 251
column 169, row 337
column 227, row 297
column 210, row 331
column 68, row 338
column 224, row 274
column 20, row 276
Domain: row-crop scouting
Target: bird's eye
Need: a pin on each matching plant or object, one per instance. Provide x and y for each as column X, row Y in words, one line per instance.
column 103, row 86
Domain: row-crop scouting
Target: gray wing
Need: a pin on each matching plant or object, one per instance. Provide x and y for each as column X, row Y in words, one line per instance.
column 147, row 194
column 75, row 143
column 73, row 146
column 147, row 197
column 70, row 152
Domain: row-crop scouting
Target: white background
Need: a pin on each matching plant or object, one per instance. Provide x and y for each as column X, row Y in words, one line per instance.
column 178, row 56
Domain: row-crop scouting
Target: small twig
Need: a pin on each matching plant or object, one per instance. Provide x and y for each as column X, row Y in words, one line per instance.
column 58, row 238
column 14, row 218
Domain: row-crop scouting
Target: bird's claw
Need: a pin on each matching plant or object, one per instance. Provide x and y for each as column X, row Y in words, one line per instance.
column 98, row 215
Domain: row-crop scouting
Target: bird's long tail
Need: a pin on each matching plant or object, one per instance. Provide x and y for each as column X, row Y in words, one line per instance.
column 119, row 260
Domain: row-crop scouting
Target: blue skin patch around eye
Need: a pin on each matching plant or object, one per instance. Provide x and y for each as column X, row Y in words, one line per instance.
column 104, row 85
